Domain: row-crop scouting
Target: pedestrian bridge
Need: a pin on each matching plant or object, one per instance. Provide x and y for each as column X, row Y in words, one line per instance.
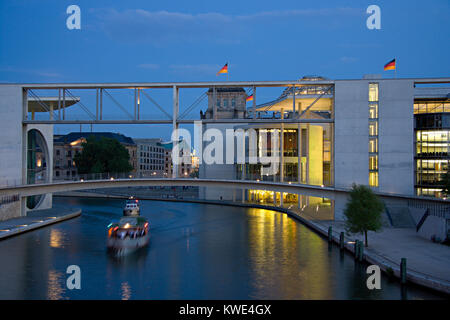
column 37, row 189
column 332, row 193
column 339, row 197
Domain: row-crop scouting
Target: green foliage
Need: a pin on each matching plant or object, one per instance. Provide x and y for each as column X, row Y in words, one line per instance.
column 101, row 156
column 363, row 211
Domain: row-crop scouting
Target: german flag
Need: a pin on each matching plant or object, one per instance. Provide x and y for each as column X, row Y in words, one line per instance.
column 249, row 98
column 390, row 65
column 223, row 70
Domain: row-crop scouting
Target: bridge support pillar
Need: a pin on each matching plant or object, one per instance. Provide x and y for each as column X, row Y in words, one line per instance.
column 176, row 96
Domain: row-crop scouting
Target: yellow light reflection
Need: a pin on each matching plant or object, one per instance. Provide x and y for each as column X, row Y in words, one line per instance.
column 56, row 239
column 55, row 289
column 299, row 256
column 126, row 291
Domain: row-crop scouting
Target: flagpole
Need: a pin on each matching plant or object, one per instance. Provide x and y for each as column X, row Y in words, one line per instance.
column 395, row 73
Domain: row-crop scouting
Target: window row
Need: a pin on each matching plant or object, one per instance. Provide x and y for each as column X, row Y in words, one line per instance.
column 373, row 134
column 150, row 148
column 226, row 102
column 152, row 155
column 431, row 107
column 150, row 167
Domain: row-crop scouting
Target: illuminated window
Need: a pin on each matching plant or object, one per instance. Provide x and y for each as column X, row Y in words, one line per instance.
column 373, row 111
column 373, row 91
column 373, row 163
column 373, row 179
column 373, row 145
column 373, row 128
column 373, row 134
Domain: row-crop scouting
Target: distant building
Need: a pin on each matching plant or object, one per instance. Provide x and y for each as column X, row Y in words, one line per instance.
column 150, row 158
column 65, row 147
column 228, row 103
column 189, row 162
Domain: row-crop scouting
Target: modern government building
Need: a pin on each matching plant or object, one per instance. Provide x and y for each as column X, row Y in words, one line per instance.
column 390, row 134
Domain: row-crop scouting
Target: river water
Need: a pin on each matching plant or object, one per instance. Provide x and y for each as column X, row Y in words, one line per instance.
column 197, row 251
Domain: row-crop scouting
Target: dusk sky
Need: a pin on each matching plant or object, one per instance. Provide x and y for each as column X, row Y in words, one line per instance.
column 159, row 41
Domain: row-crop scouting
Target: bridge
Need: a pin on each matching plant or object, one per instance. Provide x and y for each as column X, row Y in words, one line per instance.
column 29, row 111
column 65, row 186
column 339, row 196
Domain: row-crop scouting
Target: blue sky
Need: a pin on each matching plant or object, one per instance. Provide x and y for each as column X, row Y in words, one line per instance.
column 154, row 41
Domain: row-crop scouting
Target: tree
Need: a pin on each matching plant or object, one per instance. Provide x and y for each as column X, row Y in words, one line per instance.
column 363, row 211
column 102, row 155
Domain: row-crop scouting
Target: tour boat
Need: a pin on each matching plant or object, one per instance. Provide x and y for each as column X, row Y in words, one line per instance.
column 128, row 235
column 131, row 207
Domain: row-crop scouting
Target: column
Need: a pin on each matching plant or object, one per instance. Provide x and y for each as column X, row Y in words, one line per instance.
column 175, row 126
column 282, row 147
column 214, row 104
column 254, row 102
column 299, row 153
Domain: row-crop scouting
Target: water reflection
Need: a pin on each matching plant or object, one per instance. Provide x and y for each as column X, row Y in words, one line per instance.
column 55, row 289
column 56, row 239
column 196, row 252
column 126, row 291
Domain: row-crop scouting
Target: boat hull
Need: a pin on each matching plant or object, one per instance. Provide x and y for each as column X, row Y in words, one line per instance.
column 126, row 246
column 131, row 212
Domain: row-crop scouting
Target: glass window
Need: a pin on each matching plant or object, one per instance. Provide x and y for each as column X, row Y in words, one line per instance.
column 373, row 163
column 373, row 91
column 373, row 145
column 373, row 111
column 373, row 179
column 373, row 128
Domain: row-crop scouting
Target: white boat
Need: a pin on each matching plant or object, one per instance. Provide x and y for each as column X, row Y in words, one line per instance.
column 131, row 207
column 128, row 235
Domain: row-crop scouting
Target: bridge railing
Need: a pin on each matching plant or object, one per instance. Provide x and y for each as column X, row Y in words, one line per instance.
column 7, row 183
column 120, row 175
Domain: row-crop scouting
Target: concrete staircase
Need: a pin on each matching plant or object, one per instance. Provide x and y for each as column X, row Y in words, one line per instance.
column 400, row 217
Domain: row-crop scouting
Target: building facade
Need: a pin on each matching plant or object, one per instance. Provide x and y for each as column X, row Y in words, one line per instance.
column 188, row 166
column 150, row 158
column 390, row 134
column 67, row 146
column 432, row 140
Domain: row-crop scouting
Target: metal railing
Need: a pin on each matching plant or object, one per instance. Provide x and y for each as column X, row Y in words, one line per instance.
column 438, row 209
column 120, row 175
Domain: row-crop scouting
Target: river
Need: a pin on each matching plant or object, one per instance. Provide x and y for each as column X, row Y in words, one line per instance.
column 197, row 251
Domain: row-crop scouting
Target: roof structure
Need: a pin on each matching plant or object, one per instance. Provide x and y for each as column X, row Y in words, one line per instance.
column 74, row 136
